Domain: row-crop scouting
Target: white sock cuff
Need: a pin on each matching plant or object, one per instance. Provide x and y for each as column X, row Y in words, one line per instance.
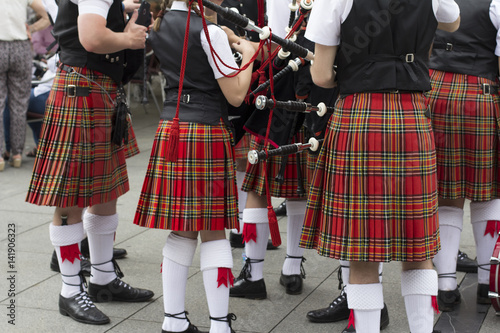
column 100, row 224
column 365, row 296
column 180, row 249
column 485, row 211
column 63, row 235
column 255, row 215
column 295, row 207
column 451, row 216
column 215, row 254
column 419, row 282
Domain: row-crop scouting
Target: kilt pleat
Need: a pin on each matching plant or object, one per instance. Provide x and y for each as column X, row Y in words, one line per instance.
column 242, row 147
column 76, row 163
column 198, row 191
column 255, row 176
column 466, row 129
column 373, row 195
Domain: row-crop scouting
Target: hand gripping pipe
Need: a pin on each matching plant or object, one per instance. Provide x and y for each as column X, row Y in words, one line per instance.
column 264, row 33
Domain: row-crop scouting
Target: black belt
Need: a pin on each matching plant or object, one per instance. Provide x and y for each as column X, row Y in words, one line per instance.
column 489, row 89
column 71, row 90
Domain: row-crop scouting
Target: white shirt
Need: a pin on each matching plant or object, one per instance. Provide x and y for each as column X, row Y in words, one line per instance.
column 51, row 8
column 327, row 16
column 99, row 7
column 278, row 14
column 220, row 43
column 495, row 19
column 13, row 21
column 48, row 77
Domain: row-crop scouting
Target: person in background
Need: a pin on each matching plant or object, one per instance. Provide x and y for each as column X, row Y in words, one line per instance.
column 15, row 72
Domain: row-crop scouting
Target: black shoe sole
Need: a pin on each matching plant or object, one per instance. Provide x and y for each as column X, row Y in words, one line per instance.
column 90, row 322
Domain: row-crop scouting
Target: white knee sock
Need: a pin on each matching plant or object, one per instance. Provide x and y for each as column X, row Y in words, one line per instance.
column 367, row 301
column 216, row 262
column 178, row 255
column 66, row 240
column 345, row 268
column 257, row 250
column 295, row 211
column 450, row 228
column 242, row 199
column 101, row 234
column 480, row 214
column 417, row 287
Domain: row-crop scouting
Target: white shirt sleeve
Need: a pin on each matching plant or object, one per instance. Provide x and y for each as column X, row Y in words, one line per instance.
column 278, row 14
column 446, row 11
column 495, row 19
column 325, row 20
column 99, row 7
column 220, row 44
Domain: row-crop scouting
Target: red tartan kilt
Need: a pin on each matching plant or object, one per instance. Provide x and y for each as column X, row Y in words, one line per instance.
column 198, row 191
column 242, row 147
column 466, row 130
column 373, row 195
column 255, row 176
column 131, row 148
column 76, row 163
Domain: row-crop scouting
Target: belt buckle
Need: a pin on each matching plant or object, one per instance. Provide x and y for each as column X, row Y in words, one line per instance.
column 486, row 89
column 410, row 57
column 71, row 90
column 449, row 47
column 186, row 98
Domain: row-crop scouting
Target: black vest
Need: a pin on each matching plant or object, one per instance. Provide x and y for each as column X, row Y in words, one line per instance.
column 471, row 49
column 385, row 46
column 202, row 101
column 72, row 53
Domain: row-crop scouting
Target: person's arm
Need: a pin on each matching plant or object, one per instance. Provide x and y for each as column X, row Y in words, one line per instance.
column 43, row 22
column 450, row 27
column 322, row 71
column 236, row 88
column 97, row 38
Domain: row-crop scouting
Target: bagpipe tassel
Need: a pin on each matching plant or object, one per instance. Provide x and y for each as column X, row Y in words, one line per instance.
column 173, row 141
column 273, row 226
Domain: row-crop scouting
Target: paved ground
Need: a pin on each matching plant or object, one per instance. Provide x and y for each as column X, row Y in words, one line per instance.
column 36, row 287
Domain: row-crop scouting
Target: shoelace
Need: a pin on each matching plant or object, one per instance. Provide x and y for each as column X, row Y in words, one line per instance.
column 125, row 285
column 339, row 299
column 84, row 301
column 302, row 270
column 228, row 319
column 116, row 268
column 247, row 268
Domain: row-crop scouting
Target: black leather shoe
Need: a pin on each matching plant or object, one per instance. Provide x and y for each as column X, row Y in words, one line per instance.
column 281, row 209
column 248, row 289
column 292, row 283
column 81, row 309
column 384, row 321
column 448, row 300
column 118, row 291
column 191, row 329
column 84, row 249
column 482, row 293
column 466, row 264
column 84, row 264
column 336, row 311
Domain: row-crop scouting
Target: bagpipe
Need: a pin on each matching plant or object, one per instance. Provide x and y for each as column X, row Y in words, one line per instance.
column 255, row 156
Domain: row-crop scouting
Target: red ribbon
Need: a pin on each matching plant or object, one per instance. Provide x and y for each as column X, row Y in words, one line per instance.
column 249, row 232
column 492, row 228
column 435, row 304
column 351, row 319
column 70, row 253
column 225, row 277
